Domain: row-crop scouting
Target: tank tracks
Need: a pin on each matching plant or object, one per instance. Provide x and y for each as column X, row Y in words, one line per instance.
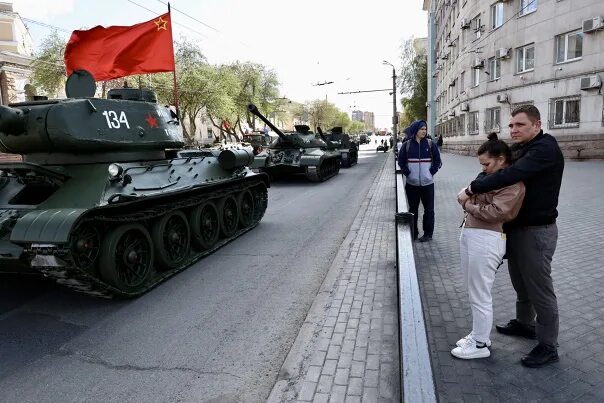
column 327, row 169
column 77, row 279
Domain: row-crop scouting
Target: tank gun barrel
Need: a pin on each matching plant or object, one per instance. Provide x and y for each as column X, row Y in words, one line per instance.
column 254, row 110
column 12, row 120
column 324, row 138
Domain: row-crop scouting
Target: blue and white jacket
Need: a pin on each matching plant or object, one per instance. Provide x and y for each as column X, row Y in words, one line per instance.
column 419, row 165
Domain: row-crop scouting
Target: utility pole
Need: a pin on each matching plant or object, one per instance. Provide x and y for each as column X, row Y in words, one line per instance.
column 394, row 114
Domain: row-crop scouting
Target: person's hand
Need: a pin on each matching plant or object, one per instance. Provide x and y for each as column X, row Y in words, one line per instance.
column 462, row 197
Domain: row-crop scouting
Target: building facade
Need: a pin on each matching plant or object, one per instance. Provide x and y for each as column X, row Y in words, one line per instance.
column 487, row 57
column 369, row 119
column 357, row 116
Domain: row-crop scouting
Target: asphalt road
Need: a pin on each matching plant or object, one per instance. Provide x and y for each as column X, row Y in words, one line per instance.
column 219, row 331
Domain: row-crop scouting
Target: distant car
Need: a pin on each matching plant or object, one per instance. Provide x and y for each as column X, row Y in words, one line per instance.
column 363, row 139
column 382, row 147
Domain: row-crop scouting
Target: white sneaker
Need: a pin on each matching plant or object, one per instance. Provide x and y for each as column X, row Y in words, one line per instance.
column 469, row 350
column 461, row 341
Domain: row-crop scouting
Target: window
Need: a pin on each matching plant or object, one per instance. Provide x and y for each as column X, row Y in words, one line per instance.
column 473, row 123
column 527, row 7
column 463, row 39
column 491, row 122
column 477, row 26
column 494, row 69
column 210, row 133
column 462, row 82
column 461, row 125
column 569, row 46
column 525, row 57
column 496, row 15
column 564, row 112
column 475, row 77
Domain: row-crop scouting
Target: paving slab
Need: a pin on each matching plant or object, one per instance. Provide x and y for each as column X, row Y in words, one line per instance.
column 347, row 350
column 578, row 275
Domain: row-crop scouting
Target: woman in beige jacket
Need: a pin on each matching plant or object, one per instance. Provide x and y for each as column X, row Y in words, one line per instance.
column 482, row 246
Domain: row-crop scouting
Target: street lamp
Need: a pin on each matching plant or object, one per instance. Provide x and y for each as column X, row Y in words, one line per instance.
column 394, row 114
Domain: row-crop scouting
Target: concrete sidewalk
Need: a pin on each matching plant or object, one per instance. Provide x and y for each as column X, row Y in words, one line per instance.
column 347, row 349
column 578, row 280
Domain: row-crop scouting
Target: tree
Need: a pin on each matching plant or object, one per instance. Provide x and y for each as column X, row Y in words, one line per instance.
column 356, row 127
column 48, row 70
column 413, row 82
column 322, row 113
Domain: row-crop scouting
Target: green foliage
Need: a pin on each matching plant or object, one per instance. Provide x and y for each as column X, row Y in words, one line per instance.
column 413, row 82
column 322, row 113
column 48, row 69
column 356, row 127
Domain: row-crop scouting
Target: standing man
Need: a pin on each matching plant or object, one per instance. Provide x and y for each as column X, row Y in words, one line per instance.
column 419, row 160
column 533, row 235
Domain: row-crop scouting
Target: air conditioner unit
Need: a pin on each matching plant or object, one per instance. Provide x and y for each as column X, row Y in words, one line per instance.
column 592, row 24
column 445, row 56
column 452, row 83
column 452, row 114
column 502, row 98
column 465, row 23
column 502, row 53
column 478, row 63
column 589, row 82
column 465, row 107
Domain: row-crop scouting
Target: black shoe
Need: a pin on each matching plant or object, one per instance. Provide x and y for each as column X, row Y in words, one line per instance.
column 541, row 355
column 515, row 328
column 425, row 238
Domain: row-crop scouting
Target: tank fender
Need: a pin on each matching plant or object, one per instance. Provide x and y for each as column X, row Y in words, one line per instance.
column 260, row 161
column 46, row 226
column 308, row 159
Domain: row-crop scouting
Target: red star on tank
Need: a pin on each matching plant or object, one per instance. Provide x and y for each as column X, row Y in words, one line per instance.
column 151, row 120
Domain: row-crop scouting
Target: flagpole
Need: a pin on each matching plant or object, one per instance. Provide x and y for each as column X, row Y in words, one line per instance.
column 174, row 71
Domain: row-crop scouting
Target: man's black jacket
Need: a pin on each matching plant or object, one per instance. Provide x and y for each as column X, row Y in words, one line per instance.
column 540, row 165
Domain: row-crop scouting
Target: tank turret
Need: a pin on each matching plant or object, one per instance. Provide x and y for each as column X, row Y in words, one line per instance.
column 87, row 128
column 348, row 149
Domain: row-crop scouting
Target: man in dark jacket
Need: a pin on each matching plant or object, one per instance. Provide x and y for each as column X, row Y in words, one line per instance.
column 419, row 160
column 533, row 235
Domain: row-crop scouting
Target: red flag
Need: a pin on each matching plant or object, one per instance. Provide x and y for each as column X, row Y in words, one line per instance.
column 117, row 51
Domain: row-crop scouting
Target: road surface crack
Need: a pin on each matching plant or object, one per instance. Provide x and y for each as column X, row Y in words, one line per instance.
column 130, row 367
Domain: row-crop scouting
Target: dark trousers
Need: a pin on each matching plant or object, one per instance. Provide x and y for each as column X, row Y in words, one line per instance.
column 425, row 194
column 530, row 251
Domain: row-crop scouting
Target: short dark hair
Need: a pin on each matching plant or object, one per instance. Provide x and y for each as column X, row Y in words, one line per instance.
column 495, row 148
column 531, row 112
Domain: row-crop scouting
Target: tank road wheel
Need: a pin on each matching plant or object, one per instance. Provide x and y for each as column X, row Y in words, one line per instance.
column 245, row 201
column 172, row 240
column 260, row 201
column 205, row 225
column 229, row 215
column 85, row 244
column 127, row 257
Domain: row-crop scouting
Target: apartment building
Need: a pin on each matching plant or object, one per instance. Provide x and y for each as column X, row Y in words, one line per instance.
column 369, row 119
column 486, row 57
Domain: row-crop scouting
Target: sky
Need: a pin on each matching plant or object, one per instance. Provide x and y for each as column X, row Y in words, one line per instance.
column 305, row 41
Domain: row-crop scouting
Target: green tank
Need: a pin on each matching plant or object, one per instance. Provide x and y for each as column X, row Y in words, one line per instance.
column 300, row 151
column 349, row 151
column 107, row 202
